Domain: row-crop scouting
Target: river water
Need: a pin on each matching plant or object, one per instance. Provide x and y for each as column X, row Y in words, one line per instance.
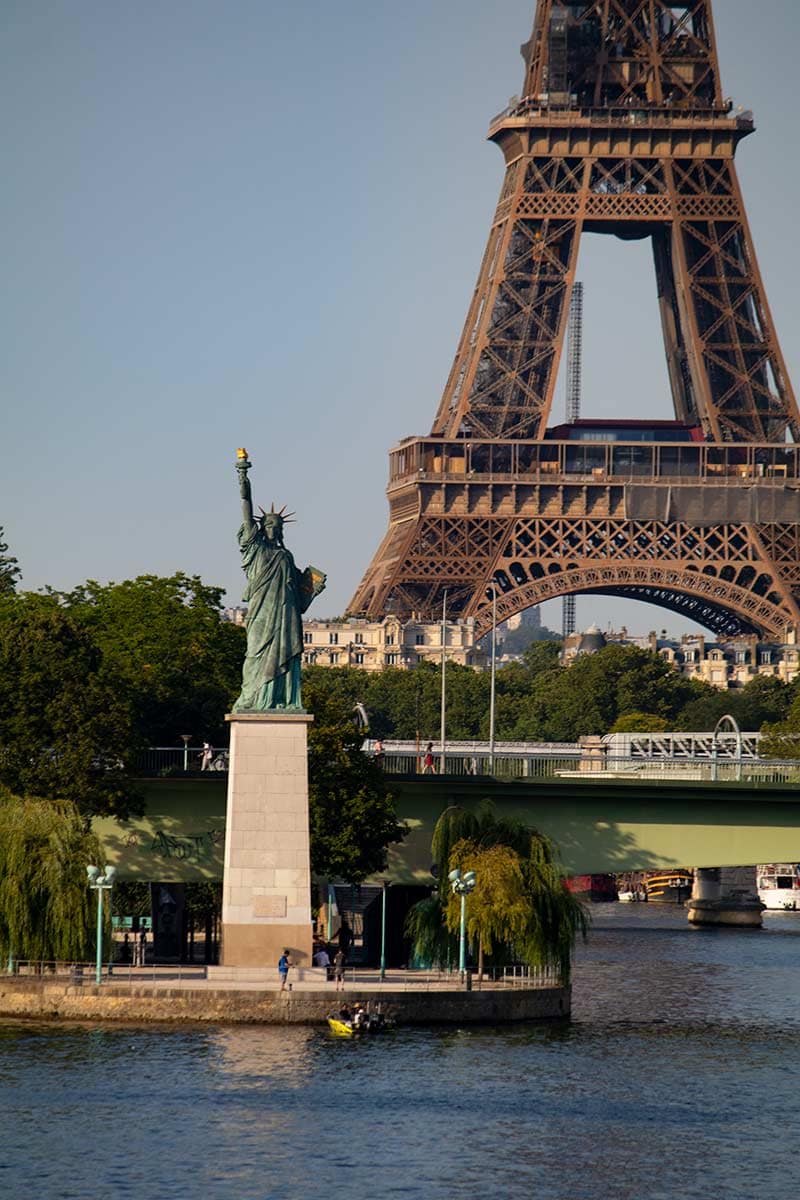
column 678, row 1077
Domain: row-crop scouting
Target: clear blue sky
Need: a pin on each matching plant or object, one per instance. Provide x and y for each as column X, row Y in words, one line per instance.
column 260, row 224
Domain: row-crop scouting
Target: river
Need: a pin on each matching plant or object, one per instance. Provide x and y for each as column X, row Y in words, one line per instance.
column 677, row 1077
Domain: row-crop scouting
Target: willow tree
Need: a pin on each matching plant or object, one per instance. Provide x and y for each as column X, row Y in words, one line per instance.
column 520, row 907
column 46, row 908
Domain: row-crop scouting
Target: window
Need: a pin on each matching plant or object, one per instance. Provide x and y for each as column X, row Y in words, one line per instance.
column 419, row 640
column 741, row 656
column 391, row 660
column 333, row 638
column 389, row 639
column 359, row 639
column 765, row 657
column 358, row 659
column 307, row 638
column 334, row 658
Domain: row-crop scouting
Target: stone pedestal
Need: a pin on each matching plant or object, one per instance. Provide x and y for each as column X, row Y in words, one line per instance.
column 266, row 888
column 725, row 896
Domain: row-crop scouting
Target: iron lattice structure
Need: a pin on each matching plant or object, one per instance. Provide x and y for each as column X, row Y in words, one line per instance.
column 623, row 129
column 573, row 410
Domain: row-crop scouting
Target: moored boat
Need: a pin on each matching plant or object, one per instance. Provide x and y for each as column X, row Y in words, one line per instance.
column 669, row 887
column 600, row 888
column 779, row 886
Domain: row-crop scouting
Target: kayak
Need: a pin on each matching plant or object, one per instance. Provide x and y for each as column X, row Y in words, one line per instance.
column 339, row 1028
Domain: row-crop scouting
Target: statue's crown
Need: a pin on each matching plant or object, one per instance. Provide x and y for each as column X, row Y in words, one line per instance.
column 285, row 518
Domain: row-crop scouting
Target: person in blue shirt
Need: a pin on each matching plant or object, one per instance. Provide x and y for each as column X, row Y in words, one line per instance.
column 284, row 962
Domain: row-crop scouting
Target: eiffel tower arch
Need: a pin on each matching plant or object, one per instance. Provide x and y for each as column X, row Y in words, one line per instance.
column 622, row 128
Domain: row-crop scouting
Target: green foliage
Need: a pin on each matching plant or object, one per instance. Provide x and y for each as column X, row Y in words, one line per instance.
column 536, row 699
column 66, row 732
column 351, row 812
column 587, row 697
column 9, row 570
column 426, row 930
column 762, row 700
column 640, row 722
column 781, row 738
column 163, row 644
column 520, row 903
column 47, row 911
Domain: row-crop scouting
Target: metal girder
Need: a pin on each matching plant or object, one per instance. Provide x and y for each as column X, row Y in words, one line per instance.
column 622, row 129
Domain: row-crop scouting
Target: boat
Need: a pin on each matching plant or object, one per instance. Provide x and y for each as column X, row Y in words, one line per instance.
column 360, row 1023
column 779, row 886
column 630, row 887
column 600, row 888
column 669, row 887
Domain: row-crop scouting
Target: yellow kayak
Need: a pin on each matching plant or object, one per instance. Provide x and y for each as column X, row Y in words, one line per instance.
column 339, row 1028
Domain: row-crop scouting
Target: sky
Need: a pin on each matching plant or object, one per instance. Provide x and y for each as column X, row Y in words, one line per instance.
column 260, row 224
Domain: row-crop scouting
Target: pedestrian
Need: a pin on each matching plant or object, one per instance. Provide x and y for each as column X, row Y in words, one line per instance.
column 428, row 766
column 141, row 947
column 322, row 958
column 284, row 962
column 338, row 969
column 207, row 757
column 379, row 751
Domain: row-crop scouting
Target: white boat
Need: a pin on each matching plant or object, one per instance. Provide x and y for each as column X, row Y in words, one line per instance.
column 627, row 897
column 779, row 886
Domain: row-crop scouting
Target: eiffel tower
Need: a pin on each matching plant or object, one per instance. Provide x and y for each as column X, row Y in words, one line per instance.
column 622, row 128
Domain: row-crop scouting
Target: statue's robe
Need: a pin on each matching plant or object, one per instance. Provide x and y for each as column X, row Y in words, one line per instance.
column 276, row 595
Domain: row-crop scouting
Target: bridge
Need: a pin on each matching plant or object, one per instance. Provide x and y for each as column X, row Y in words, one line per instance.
column 624, row 815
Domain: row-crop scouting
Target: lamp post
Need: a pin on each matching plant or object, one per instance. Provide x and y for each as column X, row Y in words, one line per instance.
column 100, row 881
column 444, row 690
column 385, row 885
column 493, row 586
column 186, row 738
column 462, row 885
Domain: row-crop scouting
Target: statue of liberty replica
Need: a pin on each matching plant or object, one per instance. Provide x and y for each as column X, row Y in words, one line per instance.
column 277, row 594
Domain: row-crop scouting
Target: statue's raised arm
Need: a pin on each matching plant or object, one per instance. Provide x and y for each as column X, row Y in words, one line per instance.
column 243, row 465
column 276, row 595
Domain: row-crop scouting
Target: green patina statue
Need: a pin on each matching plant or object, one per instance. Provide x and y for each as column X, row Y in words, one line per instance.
column 276, row 595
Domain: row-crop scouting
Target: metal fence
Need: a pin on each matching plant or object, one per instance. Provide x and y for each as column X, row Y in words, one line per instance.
column 182, row 975
column 516, row 761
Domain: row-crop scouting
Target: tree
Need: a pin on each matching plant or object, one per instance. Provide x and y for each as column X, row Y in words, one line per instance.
column 351, row 812
column 781, row 739
column 163, row 642
column 520, row 903
column 762, row 700
column 640, row 722
column 46, row 908
column 588, row 696
column 65, row 729
column 9, row 570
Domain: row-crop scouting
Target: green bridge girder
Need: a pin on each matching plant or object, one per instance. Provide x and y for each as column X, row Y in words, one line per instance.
column 599, row 824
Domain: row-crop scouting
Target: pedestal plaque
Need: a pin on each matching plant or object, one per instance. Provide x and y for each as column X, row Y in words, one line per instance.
column 266, row 887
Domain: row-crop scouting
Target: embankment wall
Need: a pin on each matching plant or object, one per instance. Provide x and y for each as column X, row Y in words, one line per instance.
column 45, row 1000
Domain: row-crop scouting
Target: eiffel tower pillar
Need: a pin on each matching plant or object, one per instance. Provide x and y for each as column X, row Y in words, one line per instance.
column 622, row 129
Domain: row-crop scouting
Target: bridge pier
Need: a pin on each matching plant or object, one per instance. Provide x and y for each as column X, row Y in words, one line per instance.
column 725, row 896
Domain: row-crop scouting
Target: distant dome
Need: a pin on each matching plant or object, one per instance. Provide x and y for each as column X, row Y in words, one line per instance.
column 592, row 641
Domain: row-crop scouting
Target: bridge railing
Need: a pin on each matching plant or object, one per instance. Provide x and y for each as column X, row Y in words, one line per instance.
column 519, row 762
